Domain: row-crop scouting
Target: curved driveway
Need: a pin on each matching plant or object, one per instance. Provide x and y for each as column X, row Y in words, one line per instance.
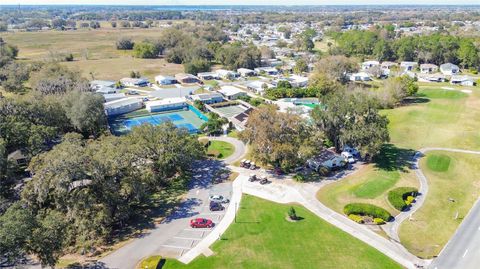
column 240, row 148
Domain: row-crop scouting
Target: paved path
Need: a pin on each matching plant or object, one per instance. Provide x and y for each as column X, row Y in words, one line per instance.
column 282, row 191
column 392, row 229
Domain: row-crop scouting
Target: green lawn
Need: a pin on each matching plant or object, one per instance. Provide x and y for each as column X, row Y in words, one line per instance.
column 450, row 176
column 438, row 162
column 263, row 238
column 372, row 183
column 435, row 118
column 442, row 118
column 224, row 148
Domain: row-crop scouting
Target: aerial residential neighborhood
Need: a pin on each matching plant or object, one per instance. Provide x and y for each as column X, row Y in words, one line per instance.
column 242, row 135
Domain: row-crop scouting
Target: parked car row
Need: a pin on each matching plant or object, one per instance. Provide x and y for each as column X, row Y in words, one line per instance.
column 248, row 164
column 216, row 204
column 262, row 179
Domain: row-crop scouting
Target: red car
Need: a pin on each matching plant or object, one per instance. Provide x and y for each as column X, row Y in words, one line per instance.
column 201, row 223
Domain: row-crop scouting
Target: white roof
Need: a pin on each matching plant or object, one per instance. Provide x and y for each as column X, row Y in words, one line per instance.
column 259, row 84
column 244, row 70
column 162, row 77
column 298, row 78
column 361, row 74
column 166, row 101
column 230, row 90
column 113, row 95
column 371, row 63
column 205, row 96
column 462, row 78
column 448, row 66
column 122, row 102
column 408, row 63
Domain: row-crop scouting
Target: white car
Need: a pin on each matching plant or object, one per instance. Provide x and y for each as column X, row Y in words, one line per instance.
column 348, row 157
column 351, row 150
column 218, row 199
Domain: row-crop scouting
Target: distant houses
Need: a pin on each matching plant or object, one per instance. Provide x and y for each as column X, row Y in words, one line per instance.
column 259, row 87
column 463, row 80
column 449, row 69
column 271, row 71
column 360, row 76
column 135, row 82
column 227, row 74
column 369, row 64
column 245, row 72
column 428, row 68
column 207, row 98
column 109, row 97
column 231, row 92
column 187, row 78
column 165, row 80
column 408, row 66
column 208, row 75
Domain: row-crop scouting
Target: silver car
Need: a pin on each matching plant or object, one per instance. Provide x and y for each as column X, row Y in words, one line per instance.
column 218, row 199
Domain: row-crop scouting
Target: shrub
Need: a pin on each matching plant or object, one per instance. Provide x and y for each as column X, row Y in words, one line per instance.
column 378, row 221
column 124, row 43
column 292, row 214
column 356, row 218
column 151, row 262
column 398, row 197
column 299, row 178
column 214, row 153
column 367, row 210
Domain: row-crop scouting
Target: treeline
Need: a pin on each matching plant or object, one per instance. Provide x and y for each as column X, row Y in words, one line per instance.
column 436, row 48
column 130, row 15
column 196, row 47
column 82, row 191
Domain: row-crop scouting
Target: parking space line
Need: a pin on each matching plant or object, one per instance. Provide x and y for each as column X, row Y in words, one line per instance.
column 171, row 246
column 187, row 238
column 198, row 229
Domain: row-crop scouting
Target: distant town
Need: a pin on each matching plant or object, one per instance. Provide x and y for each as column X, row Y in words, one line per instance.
column 239, row 136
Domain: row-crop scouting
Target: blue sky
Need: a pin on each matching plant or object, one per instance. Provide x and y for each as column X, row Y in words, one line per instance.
column 241, row 2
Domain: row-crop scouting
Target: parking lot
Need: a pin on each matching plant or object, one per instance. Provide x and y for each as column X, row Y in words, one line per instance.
column 173, row 236
column 187, row 237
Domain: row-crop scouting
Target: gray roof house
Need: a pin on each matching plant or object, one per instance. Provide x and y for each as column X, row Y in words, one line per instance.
column 449, row 69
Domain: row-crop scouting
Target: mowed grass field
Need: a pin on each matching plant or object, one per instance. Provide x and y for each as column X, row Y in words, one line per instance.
column 95, row 55
column 450, row 176
column 263, row 238
column 449, row 118
column 437, row 118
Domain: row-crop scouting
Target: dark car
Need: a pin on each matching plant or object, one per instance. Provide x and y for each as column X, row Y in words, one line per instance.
column 201, row 223
column 214, row 206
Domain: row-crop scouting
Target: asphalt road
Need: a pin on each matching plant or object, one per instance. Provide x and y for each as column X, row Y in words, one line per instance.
column 463, row 250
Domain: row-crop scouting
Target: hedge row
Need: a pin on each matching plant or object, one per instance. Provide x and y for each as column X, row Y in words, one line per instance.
column 367, row 210
column 398, row 197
